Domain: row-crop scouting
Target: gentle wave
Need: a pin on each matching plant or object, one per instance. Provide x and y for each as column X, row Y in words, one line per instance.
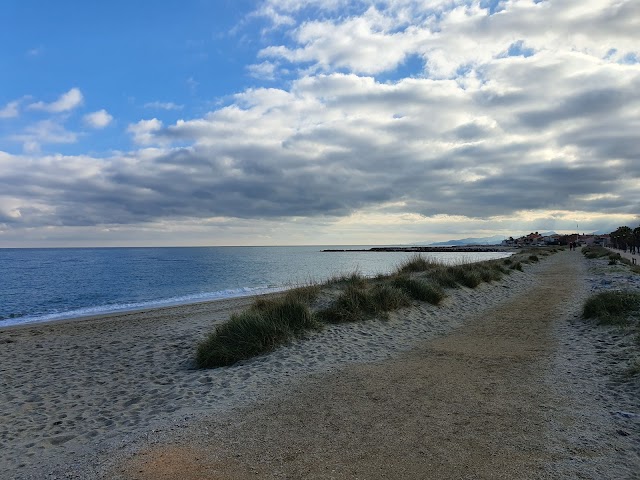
column 125, row 307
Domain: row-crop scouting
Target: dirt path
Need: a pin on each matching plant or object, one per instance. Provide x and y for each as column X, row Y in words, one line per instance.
column 473, row 404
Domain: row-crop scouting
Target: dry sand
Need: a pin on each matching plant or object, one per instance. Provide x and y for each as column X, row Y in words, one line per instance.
column 504, row 381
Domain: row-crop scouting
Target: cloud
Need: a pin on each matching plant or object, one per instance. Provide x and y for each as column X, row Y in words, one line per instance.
column 163, row 106
column 10, row 110
column 44, row 132
column 143, row 131
column 449, row 36
column 66, row 102
column 515, row 120
column 264, row 70
column 99, row 119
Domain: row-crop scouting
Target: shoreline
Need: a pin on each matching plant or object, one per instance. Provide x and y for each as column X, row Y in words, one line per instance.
column 251, row 292
column 126, row 312
column 83, row 397
column 120, row 315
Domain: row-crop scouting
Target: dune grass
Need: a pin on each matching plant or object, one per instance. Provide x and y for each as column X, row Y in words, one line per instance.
column 613, row 307
column 592, row 252
column 615, row 258
column 261, row 328
column 417, row 263
column 419, row 289
column 270, row 322
column 356, row 304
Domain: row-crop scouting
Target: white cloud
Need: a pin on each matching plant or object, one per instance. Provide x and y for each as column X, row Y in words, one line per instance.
column 144, row 131
column 453, row 35
column 44, row 132
column 66, row 102
column 264, row 70
column 10, row 110
column 164, row 105
column 99, row 119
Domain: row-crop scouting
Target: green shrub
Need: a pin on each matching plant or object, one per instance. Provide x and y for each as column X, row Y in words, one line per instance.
column 352, row 305
column 420, row 289
column 356, row 304
column 534, row 258
column 267, row 324
column 467, row 275
column 386, row 297
column 444, row 277
column 489, row 271
column 290, row 312
column 416, row 263
column 612, row 307
column 355, row 279
column 306, row 294
column 516, row 266
column 595, row 252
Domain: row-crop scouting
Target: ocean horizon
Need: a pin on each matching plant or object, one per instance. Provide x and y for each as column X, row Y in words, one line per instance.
column 46, row 284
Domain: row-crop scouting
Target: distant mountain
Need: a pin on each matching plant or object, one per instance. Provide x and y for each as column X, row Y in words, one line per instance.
column 496, row 239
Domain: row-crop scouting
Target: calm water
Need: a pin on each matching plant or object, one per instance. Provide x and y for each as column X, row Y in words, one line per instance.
column 47, row 284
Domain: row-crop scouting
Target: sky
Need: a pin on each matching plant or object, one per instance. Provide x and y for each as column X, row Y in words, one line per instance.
column 315, row 122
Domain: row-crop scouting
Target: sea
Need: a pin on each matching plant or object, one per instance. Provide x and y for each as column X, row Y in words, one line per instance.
column 46, row 284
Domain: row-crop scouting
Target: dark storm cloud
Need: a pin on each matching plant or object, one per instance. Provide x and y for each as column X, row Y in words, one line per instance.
column 600, row 102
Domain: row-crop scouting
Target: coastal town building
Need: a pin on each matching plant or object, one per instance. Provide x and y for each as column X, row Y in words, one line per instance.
column 535, row 239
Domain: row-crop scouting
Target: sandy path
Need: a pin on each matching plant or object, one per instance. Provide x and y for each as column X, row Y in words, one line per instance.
column 477, row 403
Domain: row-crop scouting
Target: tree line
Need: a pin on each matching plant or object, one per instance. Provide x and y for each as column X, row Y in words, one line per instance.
column 626, row 238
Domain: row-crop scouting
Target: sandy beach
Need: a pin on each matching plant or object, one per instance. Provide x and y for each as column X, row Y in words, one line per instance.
column 503, row 381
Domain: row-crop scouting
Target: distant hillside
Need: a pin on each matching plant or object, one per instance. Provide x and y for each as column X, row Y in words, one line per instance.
column 495, row 240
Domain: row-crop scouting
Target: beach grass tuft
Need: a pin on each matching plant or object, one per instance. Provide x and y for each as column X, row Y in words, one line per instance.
column 444, row 277
column 306, row 294
column 386, row 297
column 416, row 263
column 613, row 307
column 419, row 289
column 261, row 328
column 596, row 251
column 354, row 278
column 467, row 276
